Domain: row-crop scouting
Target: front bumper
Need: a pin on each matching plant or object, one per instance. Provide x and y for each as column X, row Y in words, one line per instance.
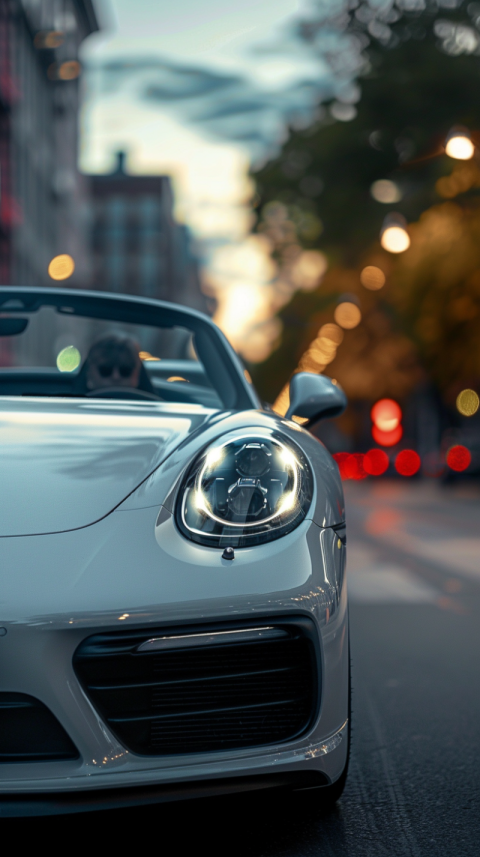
column 175, row 583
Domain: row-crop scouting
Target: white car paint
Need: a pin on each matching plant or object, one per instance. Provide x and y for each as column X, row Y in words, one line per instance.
column 89, row 544
column 133, row 568
column 67, row 463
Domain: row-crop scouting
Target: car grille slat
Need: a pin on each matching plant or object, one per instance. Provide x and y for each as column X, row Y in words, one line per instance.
column 203, row 711
column 184, row 680
column 203, row 699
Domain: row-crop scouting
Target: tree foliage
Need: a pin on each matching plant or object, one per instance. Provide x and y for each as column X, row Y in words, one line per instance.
column 425, row 322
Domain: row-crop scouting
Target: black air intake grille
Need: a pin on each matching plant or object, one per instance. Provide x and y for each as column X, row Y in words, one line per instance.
column 201, row 691
column 29, row 732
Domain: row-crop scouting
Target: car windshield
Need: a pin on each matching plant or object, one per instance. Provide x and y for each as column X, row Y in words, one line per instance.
column 67, row 350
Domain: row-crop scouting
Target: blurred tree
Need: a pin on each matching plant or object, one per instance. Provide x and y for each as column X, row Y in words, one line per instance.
column 330, row 189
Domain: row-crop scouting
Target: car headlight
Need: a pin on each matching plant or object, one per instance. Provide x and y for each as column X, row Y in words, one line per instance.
column 248, row 487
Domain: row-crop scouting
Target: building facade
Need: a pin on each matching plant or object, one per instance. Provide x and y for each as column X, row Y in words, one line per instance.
column 42, row 193
column 137, row 247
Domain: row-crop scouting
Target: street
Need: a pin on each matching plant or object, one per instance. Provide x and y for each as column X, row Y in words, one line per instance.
column 413, row 786
column 414, row 572
column 216, row 219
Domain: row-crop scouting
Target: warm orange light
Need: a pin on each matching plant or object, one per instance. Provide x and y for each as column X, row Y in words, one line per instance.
column 282, row 402
column 54, row 39
column 50, row 39
column 332, row 332
column 372, row 278
column 177, row 378
column 395, row 239
column 312, row 361
column 386, row 414
column 347, row 315
column 323, row 349
column 309, row 269
column 61, row 267
column 69, row 70
column 460, row 147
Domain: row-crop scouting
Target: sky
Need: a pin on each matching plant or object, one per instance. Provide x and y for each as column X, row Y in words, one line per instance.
column 186, row 33
column 161, row 79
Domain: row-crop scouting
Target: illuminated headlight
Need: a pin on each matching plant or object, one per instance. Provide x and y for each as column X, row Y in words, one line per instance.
column 246, row 488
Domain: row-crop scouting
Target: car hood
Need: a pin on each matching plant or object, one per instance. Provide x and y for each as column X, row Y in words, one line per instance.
column 65, row 464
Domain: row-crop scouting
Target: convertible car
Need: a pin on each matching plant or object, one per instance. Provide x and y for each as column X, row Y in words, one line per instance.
column 173, row 606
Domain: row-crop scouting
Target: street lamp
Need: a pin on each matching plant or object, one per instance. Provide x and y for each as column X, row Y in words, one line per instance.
column 394, row 236
column 459, row 144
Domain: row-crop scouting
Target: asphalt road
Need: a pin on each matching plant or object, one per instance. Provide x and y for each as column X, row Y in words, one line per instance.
column 414, row 782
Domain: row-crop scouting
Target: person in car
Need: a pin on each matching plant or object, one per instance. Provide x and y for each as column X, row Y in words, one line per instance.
column 113, row 361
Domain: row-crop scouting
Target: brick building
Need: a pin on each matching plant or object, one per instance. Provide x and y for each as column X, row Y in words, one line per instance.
column 42, row 193
column 137, row 246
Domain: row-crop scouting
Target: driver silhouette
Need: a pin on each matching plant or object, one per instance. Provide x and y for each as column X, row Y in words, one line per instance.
column 113, row 361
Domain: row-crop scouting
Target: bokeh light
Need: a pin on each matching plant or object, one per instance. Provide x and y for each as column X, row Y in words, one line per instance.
column 433, row 463
column 353, row 466
column 68, row 359
column 372, row 278
column 343, row 112
column 460, row 147
column 332, row 332
column 49, row 39
column 467, row 403
column 341, row 458
column 387, row 438
column 395, row 239
column 375, row 462
column 386, row 414
column 147, row 357
column 322, row 350
column 241, row 277
column 326, row 345
column 385, row 191
column 69, row 70
column 54, row 39
column 318, row 355
column 458, row 458
column 347, row 315
column 407, row 462
column 309, row 269
column 61, row 267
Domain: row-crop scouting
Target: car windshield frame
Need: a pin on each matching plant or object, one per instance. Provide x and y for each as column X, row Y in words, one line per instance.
column 223, row 367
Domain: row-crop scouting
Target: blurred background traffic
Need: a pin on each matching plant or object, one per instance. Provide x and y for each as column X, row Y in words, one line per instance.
column 306, row 172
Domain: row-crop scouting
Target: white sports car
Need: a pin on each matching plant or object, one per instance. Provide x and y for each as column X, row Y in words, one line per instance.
column 173, row 607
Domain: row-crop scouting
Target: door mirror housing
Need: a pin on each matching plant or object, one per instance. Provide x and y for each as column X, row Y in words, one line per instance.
column 315, row 397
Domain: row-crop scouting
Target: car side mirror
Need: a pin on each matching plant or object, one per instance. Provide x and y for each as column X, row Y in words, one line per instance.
column 315, row 397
